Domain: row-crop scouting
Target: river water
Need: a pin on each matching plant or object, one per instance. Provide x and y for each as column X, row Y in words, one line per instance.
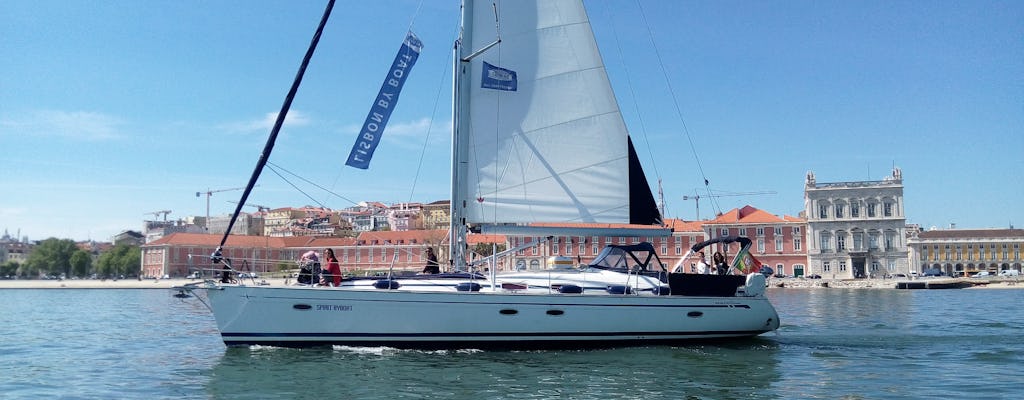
column 833, row 343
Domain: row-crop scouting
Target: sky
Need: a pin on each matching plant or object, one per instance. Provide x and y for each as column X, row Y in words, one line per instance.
column 113, row 110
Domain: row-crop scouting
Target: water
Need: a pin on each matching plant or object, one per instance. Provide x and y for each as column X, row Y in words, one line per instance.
column 834, row 343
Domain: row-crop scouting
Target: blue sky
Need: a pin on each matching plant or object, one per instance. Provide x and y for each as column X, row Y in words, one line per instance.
column 111, row 110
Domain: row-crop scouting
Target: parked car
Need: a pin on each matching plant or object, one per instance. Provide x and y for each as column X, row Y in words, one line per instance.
column 815, row 276
column 932, row 272
column 1009, row 272
column 982, row 274
column 247, row 275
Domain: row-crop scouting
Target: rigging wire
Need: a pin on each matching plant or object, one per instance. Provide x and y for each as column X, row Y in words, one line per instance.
column 675, row 102
column 433, row 115
column 275, row 168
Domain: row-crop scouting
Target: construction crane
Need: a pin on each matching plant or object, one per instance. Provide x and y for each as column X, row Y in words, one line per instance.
column 257, row 206
column 157, row 213
column 209, row 193
column 696, row 197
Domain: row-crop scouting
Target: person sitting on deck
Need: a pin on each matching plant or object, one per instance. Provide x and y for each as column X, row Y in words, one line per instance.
column 432, row 266
column 309, row 268
column 332, row 274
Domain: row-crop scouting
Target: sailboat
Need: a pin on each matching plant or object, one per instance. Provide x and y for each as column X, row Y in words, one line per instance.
column 539, row 145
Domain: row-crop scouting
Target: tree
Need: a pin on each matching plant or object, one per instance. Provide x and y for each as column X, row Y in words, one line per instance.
column 9, row 268
column 123, row 259
column 487, row 249
column 81, row 263
column 51, row 257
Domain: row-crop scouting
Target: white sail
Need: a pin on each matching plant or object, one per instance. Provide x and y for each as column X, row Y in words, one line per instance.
column 554, row 150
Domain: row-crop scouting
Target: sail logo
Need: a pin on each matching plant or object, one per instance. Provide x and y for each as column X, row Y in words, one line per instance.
column 380, row 112
column 498, row 78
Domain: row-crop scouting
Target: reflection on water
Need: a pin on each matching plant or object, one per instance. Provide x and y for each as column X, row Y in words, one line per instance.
column 699, row 371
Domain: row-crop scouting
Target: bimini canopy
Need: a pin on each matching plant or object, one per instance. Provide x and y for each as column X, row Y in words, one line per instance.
column 627, row 257
column 744, row 242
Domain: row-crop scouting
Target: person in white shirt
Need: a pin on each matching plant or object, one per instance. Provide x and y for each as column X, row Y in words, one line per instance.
column 702, row 266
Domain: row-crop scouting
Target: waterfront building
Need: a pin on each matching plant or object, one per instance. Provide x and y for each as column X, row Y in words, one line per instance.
column 245, row 224
column 960, row 252
column 778, row 242
column 856, row 229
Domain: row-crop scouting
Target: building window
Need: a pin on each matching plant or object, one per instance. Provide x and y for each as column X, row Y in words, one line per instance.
column 892, row 265
column 535, row 249
column 854, row 210
column 760, row 231
column 796, row 230
column 887, row 209
column 992, row 252
column 1006, row 254
column 780, row 269
column 840, row 241
column 839, row 210
column 679, row 249
column 583, row 248
column 797, row 245
column 858, row 241
column 890, row 241
column 760, row 245
column 873, row 241
column 568, row 249
column 875, row 266
column 664, row 248
column 743, row 231
column 842, row 266
column 970, row 252
column 778, row 244
column 823, row 211
column 825, row 242
column 826, row 266
column 959, row 253
column 778, row 230
column 871, row 210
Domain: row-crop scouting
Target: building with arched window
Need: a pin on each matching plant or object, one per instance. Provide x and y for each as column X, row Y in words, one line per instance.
column 960, row 252
column 856, row 229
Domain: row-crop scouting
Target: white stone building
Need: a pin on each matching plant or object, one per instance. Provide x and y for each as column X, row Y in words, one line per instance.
column 856, row 229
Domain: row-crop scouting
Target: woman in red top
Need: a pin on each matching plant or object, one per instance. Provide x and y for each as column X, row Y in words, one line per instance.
column 332, row 273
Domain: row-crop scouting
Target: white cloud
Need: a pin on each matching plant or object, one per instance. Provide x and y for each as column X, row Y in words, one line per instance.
column 263, row 125
column 79, row 125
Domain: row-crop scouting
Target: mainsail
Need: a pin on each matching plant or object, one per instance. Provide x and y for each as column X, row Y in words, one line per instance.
column 556, row 149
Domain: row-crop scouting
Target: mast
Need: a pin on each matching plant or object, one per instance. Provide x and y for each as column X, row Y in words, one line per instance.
column 460, row 127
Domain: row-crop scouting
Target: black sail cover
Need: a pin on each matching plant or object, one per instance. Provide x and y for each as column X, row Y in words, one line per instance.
column 643, row 210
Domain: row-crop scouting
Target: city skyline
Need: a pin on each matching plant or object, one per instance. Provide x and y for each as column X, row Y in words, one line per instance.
column 110, row 112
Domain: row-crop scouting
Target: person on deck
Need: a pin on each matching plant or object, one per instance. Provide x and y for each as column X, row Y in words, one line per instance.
column 332, row 274
column 432, row 266
column 720, row 266
column 309, row 268
column 702, row 266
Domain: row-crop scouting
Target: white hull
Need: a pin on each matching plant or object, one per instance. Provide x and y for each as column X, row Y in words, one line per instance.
column 311, row 316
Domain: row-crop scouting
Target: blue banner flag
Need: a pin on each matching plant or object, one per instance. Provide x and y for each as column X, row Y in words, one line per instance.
column 498, row 78
column 387, row 99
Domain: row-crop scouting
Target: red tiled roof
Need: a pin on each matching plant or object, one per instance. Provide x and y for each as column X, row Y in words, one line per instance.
column 750, row 215
column 678, row 225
